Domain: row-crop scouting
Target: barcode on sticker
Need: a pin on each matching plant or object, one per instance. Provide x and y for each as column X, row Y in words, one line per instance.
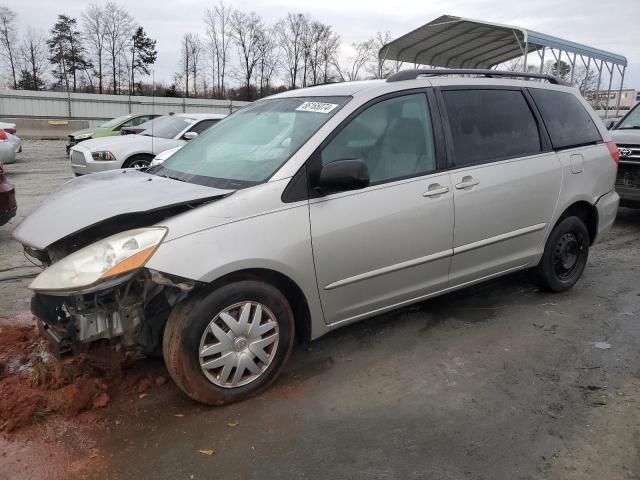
column 316, row 107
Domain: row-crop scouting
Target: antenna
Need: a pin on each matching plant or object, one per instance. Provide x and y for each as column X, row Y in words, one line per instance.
column 153, row 103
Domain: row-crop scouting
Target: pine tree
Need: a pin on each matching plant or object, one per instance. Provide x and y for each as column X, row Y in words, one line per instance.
column 143, row 54
column 67, row 51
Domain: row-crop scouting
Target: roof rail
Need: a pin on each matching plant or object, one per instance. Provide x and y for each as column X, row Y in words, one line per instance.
column 412, row 74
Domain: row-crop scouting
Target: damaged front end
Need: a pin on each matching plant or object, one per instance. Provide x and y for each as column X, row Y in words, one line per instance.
column 130, row 314
column 102, row 291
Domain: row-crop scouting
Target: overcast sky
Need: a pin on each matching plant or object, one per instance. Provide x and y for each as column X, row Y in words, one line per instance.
column 609, row 25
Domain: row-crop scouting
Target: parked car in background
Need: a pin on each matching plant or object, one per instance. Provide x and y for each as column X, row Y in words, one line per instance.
column 162, row 156
column 626, row 134
column 8, row 127
column 110, row 128
column 148, row 125
column 8, row 207
column 10, row 145
column 137, row 151
column 319, row 207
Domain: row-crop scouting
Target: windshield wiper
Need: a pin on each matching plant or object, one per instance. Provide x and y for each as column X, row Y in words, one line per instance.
column 634, row 127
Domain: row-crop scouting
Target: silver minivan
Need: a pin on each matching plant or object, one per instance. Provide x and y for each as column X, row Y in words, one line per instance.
column 319, row 207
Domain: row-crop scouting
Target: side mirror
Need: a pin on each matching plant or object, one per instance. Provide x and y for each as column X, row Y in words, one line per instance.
column 343, row 175
column 610, row 124
column 190, row 135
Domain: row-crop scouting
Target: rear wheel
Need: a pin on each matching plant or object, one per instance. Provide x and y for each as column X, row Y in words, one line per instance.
column 138, row 162
column 565, row 255
column 229, row 344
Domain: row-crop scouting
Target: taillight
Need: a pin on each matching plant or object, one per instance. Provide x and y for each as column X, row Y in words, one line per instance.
column 12, row 131
column 613, row 150
column 3, row 136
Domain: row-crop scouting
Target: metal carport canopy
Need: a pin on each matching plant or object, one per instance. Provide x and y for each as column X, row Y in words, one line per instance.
column 456, row 42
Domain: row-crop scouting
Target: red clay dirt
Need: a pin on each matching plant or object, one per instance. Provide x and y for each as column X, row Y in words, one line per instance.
column 41, row 397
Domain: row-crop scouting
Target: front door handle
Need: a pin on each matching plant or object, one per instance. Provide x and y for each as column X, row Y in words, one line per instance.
column 467, row 182
column 435, row 189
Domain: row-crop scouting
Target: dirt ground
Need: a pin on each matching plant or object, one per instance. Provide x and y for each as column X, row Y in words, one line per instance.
column 495, row 381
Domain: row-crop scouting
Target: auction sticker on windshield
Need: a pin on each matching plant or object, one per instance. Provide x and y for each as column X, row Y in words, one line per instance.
column 316, row 107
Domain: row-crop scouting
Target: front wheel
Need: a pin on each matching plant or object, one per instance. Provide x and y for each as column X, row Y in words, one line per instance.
column 138, row 162
column 230, row 344
column 565, row 255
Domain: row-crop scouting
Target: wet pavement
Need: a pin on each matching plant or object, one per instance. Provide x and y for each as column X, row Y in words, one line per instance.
column 494, row 381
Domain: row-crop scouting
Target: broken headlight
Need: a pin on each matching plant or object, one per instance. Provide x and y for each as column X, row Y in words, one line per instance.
column 103, row 260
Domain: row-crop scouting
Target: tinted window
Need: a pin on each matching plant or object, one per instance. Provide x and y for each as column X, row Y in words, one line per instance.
column 489, row 125
column 567, row 121
column 202, row 126
column 393, row 137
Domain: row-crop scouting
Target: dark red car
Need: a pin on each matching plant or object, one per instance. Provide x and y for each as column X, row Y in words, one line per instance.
column 8, row 206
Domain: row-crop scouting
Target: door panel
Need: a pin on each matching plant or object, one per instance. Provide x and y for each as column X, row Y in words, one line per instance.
column 501, row 220
column 383, row 245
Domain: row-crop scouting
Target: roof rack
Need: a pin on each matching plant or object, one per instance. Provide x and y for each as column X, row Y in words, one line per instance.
column 415, row 73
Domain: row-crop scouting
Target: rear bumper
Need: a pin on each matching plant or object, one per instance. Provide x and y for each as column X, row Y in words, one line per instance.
column 607, row 206
column 629, row 196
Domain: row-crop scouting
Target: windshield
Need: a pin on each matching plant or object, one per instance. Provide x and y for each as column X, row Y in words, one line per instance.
column 116, row 121
column 632, row 120
column 168, row 127
column 249, row 146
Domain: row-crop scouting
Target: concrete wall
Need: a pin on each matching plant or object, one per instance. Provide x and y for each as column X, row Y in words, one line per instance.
column 56, row 114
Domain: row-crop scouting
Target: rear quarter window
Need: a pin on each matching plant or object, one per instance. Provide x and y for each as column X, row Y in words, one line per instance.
column 567, row 121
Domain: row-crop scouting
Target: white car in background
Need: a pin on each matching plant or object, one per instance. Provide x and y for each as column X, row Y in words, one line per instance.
column 10, row 144
column 161, row 157
column 137, row 151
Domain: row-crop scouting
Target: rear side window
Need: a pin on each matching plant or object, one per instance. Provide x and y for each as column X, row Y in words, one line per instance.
column 490, row 125
column 567, row 121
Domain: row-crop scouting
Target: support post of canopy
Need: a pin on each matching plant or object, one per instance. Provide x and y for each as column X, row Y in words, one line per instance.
column 620, row 89
column 606, row 112
column 599, row 82
column 573, row 67
column 542, row 58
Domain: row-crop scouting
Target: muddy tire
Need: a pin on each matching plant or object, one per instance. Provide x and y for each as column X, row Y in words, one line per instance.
column 565, row 256
column 229, row 344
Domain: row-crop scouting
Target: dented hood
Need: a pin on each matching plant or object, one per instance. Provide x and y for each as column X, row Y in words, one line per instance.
column 86, row 201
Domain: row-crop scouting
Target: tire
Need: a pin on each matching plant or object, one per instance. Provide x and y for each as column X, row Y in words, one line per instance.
column 565, row 256
column 189, row 332
column 137, row 161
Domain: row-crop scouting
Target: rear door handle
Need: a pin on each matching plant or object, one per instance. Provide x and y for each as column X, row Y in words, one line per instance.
column 435, row 189
column 467, row 182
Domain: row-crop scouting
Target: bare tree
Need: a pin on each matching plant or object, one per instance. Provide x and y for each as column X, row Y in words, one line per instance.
column 328, row 51
column 93, row 22
column 291, row 31
column 185, row 63
column 248, row 34
column 8, row 39
column 269, row 61
column 195, row 47
column 356, row 63
column 191, row 51
column 33, row 54
column 119, row 26
column 381, row 66
column 219, row 37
